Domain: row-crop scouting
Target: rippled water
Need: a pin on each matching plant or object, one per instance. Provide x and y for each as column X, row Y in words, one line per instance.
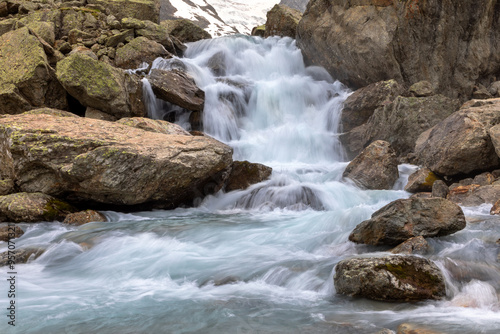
column 254, row 261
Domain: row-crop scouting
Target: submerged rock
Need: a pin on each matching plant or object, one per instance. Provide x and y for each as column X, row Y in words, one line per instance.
column 84, row 217
column 374, row 168
column 408, row 328
column 408, row 218
column 10, row 232
column 244, row 174
column 22, row 255
column 390, row 278
column 97, row 161
column 32, row 207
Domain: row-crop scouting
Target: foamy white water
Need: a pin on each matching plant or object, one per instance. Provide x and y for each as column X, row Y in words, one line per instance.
column 259, row 260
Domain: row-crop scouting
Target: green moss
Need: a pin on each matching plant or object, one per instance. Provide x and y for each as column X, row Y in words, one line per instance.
column 430, row 179
column 56, row 208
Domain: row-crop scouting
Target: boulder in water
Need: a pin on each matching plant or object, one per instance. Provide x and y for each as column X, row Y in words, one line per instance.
column 374, row 168
column 408, row 218
column 421, row 181
column 84, row 217
column 282, row 21
column 22, row 255
column 390, row 278
column 10, row 232
column 95, row 161
column 185, row 30
column 139, row 50
column 244, row 174
column 177, row 87
column 408, row 328
column 32, row 207
column 415, row 245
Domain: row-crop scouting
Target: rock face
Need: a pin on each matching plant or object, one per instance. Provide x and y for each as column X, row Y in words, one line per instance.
column 361, row 104
column 139, row 9
column 401, row 122
column 244, row 174
column 101, row 86
column 366, row 41
column 408, row 218
column 375, row 168
column 24, row 72
column 461, row 143
column 185, row 30
column 390, row 278
column 177, row 87
column 32, row 207
column 282, row 21
column 95, row 161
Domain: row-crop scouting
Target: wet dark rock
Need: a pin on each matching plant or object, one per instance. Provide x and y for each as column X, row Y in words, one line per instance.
column 374, row 168
column 244, row 174
column 390, row 278
column 407, row 218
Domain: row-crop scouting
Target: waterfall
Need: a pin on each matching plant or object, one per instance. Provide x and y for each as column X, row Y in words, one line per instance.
column 259, row 260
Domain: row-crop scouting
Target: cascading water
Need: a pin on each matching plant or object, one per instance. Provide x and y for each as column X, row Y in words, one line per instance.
column 260, row 260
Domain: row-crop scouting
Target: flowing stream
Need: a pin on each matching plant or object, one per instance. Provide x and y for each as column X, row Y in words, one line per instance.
column 254, row 261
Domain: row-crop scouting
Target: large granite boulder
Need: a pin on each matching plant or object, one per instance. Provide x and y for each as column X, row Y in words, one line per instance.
column 138, row 9
column 401, row 122
column 461, row 143
column 24, row 72
column 88, row 160
column 282, row 21
column 365, row 41
column 407, row 218
column 390, row 278
column 185, row 30
column 177, row 87
column 32, row 207
column 98, row 85
column 374, row 168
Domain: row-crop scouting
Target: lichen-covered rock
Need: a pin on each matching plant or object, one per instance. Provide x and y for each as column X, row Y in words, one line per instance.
column 84, row 217
column 177, row 87
column 402, row 121
column 10, row 232
column 407, row 218
column 461, row 143
column 45, row 30
column 6, row 186
column 185, row 30
column 101, row 86
column 89, row 160
column 139, row 50
column 361, row 104
column 390, row 278
column 244, row 174
column 421, row 181
column 374, row 168
column 282, row 21
column 415, row 245
column 159, row 33
column 138, row 9
column 366, row 41
column 422, row 89
column 22, row 255
column 24, row 72
column 50, row 111
column 32, row 207
column 154, row 125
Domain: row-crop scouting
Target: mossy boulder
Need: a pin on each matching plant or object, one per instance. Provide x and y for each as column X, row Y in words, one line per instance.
column 154, row 125
column 100, row 162
column 24, row 71
column 159, row 34
column 46, row 31
column 259, row 31
column 407, row 218
column 185, row 30
column 32, row 207
column 99, row 85
column 138, row 9
column 390, row 278
column 244, row 174
column 139, row 50
column 421, row 181
column 282, row 21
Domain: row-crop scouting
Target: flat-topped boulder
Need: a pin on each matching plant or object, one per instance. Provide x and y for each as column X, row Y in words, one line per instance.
column 89, row 160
